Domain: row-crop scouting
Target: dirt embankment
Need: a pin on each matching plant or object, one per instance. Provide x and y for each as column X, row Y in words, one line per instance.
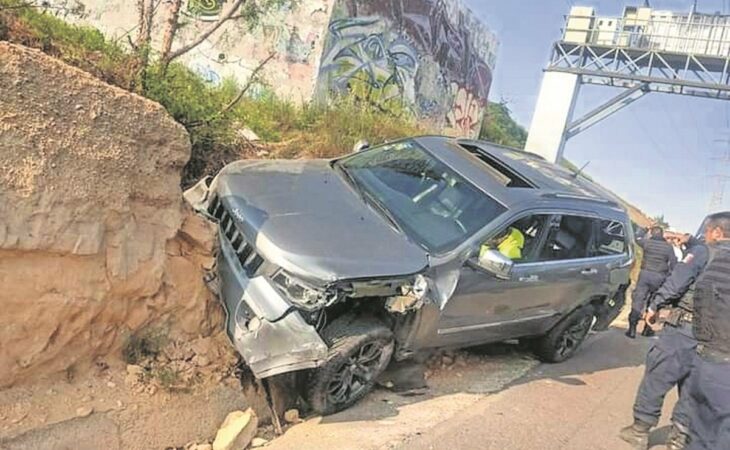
column 95, row 242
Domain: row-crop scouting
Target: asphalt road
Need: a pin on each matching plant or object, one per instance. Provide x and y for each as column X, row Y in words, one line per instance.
column 579, row 404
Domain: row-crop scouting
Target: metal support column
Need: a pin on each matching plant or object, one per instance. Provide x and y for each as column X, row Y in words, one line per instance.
column 614, row 105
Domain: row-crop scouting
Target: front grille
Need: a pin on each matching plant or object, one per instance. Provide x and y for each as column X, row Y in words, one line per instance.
column 250, row 260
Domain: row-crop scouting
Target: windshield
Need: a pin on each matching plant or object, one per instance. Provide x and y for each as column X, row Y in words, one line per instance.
column 429, row 201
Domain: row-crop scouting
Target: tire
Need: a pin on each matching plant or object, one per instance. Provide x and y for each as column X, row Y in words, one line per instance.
column 359, row 351
column 566, row 337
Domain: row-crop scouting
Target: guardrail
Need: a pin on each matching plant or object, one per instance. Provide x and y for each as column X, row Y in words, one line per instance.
column 697, row 34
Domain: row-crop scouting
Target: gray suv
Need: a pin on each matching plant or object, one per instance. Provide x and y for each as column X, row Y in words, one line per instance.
column 335, row 267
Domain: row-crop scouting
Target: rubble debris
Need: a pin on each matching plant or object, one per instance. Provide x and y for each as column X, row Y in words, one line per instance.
column 248, row 134
column 136, row 370
column 237, row 431
column 84, row 411
column 258, row 442
column 292, row 416
column 405, row 377
column 200, row 447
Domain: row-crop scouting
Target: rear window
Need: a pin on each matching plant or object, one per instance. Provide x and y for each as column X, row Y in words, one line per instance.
column 611, row 238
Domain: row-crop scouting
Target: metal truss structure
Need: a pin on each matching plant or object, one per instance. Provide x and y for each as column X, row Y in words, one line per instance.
column 660, row 71
column 641, row 52
column 681, row 54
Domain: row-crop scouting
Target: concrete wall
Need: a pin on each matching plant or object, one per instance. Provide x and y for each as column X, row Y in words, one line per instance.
column 235, row 50
column 433, row 57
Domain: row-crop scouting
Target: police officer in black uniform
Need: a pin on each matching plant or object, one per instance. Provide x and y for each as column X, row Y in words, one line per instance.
column 709, row 383
column 657, row 263
column 669, row 360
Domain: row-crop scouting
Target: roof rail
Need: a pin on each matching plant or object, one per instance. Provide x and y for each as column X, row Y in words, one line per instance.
column 567, row 195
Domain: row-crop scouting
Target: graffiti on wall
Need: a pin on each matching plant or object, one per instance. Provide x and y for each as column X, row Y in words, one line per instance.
column 205, row 9
column 291, row 31
column 65, row 9
column 370, row 62
column 433, row 57
column 465, row 115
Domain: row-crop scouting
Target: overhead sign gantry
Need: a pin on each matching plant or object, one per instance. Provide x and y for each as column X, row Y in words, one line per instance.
column 643, row 51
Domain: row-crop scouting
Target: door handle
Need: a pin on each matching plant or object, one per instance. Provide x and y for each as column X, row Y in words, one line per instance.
column 589, row 272
column 530, row 279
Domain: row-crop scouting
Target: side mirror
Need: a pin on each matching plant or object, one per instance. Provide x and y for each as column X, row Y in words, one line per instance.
column 360, row 146
column 496, row 263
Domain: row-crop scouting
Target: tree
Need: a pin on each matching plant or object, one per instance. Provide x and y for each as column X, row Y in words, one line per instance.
column 499, row 127
column 247, row 11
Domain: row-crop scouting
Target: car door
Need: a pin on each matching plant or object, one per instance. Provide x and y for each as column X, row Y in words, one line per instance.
column 614, row 256
column 569, row 266
column 484, row 308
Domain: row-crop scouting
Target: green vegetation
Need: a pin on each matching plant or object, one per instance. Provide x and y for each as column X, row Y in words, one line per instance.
column 146, row 344
column 499, row 127
column 289, row 130
column 83, row 47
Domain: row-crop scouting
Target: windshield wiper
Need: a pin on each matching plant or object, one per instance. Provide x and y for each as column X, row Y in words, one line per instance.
column 368, row 198
column 383, row 210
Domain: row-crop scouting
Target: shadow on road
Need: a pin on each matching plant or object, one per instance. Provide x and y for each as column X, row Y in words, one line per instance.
column 597, row 354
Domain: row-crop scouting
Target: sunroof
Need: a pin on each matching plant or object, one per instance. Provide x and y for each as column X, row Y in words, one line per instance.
column 501, row 171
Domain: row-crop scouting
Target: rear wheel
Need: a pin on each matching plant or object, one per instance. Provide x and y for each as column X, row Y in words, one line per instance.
column 360, row 350
column 566, row 337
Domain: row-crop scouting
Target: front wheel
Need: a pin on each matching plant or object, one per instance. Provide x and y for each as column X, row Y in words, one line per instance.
column 359, row 351
column 566, row 337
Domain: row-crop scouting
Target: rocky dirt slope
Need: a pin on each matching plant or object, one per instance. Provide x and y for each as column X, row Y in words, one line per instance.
column 95, row 243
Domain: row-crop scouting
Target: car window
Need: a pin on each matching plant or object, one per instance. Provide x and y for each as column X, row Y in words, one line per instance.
column 611, row 238
column 520, row 240
column 431, row 202
column 569, row 237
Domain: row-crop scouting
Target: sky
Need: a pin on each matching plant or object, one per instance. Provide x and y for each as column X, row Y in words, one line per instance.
column 657, row 153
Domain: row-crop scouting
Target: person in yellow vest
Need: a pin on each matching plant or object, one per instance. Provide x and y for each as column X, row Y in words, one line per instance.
column 510, row 244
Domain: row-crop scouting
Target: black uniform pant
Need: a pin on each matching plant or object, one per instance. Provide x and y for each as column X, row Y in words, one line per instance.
column 668, row 364
column 647, row 284
column 709, row 405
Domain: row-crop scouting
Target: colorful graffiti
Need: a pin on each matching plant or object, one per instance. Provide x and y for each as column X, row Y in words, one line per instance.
column 433, row 57
column 205, row 9
column 370, row 62
column 467, row 110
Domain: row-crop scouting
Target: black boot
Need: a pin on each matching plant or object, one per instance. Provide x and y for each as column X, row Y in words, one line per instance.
column 677, row 439
column 636, row 434
column 631, row 332
column 647, row 331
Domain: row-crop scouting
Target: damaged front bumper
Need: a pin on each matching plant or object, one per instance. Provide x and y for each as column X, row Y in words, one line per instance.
column 272, row 337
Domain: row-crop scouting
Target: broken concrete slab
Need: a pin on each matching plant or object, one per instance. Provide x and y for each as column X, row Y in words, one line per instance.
column 237, row 431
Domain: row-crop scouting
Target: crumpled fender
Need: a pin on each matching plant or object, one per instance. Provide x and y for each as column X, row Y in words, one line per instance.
column 198, row 196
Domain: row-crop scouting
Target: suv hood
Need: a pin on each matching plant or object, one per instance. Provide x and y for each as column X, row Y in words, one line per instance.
column 303, row 217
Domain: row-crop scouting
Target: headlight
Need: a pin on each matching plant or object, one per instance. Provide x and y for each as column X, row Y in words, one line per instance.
column 303, row 295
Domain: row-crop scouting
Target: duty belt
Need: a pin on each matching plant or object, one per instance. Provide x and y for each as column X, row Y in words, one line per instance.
column 686, row 317
column 678, row 317
column 713, row 356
